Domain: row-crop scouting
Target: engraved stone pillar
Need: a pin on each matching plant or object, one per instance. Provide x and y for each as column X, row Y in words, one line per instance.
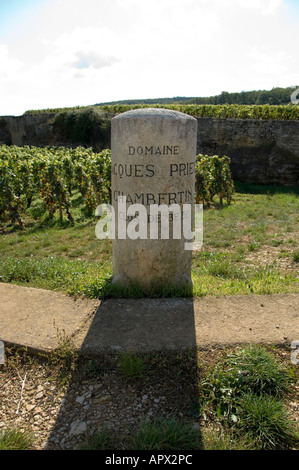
column 153, row 153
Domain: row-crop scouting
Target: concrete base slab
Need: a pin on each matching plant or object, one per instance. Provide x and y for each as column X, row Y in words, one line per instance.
column 38, row 319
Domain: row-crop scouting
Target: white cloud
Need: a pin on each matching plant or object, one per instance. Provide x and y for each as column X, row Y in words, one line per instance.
column 87, row 59
column 265, row 7
column 84, row 48
column 9, row 65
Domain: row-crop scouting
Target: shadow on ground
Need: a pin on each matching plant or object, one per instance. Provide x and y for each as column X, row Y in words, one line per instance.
column 135, row 365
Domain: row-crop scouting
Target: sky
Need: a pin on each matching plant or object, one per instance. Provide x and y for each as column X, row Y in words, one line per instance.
column 64, row 53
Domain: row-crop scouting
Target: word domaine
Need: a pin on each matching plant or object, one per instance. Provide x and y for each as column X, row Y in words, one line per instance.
column 154, row 150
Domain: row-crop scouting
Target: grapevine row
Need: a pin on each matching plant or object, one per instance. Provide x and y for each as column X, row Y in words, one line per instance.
column 51, row 174
column 225, row 111
column 54, row 174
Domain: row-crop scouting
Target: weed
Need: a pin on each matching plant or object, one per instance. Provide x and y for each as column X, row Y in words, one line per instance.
column 132, row 366
column 100, row 441
column 261, row 372
column 252, row 247
column 94, row 369
column 250, row 370
column 217, row 440
column 15, row 439
column 276, row 242
column 265, row 421
column 167, row 434
column 62, row 358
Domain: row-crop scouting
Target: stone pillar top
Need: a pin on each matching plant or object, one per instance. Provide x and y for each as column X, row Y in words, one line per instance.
column 154, row 112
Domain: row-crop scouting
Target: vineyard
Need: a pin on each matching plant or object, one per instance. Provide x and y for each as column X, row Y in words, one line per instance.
column 225, row 111
column 53, row 175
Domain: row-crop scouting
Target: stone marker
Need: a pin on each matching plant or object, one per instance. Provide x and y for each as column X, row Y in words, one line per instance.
column 153, row 154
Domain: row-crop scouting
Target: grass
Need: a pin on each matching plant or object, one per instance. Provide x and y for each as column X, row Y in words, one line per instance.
column 132, row 366
column 245, row 245
column 251, row 369
column 246, row 391
column 265, row 421
column 165, row 434
column 15, row 439
column 100, row 441
column 261, row 372
column 62, row 358
column 160, row 434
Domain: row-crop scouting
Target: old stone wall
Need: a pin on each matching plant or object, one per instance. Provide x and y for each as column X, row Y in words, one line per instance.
column 261, row 151
column 36, row 130
column 39, row 130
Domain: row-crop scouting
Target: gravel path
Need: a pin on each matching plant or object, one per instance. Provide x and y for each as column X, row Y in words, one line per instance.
column 97, row 396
